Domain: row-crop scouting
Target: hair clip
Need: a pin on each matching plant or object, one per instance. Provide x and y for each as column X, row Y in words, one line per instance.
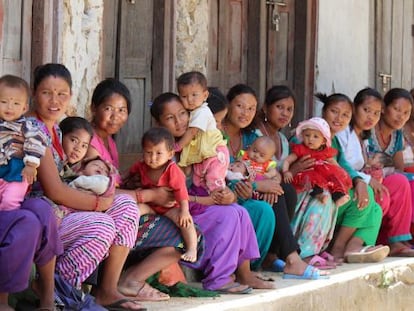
column 149, row 104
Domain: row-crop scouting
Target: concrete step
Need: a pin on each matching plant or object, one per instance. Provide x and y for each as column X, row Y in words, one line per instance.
column 388, row 285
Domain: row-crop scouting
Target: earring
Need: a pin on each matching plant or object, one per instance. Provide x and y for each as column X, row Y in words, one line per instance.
column 290, row 124
column 265, row 118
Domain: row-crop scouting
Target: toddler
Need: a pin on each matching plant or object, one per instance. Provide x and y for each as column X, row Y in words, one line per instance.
column 17, row 174
column 326, row 174
column 158, row 170
column 202, row 144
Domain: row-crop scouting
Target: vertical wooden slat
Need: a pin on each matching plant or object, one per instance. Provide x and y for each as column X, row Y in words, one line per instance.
column 407, row 51
column 396, row 42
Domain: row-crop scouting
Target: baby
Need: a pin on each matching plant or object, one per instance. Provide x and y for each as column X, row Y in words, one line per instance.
column 326, row 174
column 259, row 157
column 158, row 170
column 16, row 174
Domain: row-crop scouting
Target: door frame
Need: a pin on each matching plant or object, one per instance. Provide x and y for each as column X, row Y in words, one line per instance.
column 304, row 54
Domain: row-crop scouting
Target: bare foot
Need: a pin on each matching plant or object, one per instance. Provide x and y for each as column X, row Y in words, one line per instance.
column 342, row 200
column 142, row 291
column 255, row 282
column 108, row 298
column 190, row 255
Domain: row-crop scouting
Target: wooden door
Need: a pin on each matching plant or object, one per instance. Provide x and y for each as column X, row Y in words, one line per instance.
column 227, row 54
column 15, row 37
column 280, row 34
column 128, row 43
column 394, row 44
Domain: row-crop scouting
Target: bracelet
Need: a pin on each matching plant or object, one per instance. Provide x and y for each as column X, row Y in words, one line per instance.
column 138, row 196
column 195, row 199
column 96, row 204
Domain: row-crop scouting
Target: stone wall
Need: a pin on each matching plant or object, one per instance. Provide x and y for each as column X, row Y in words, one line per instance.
column 81, row 49
column 191, row 36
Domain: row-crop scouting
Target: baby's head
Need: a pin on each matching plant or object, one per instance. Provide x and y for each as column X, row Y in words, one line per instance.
column 14, row 97
column 314, row 133
column 157, row 146
column 217, row 103
column 192, row 88
column 95, row 166
column 77, row 134
column 262, row 149
column 238, row 170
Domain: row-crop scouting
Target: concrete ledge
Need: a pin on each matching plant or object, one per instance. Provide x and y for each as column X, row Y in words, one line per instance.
column 388, row 285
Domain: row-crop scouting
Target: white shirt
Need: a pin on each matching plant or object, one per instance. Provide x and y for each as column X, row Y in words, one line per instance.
column 353, row 151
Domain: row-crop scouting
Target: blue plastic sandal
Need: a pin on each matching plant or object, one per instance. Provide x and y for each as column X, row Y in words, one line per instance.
column 278, row 265
column 310, row 273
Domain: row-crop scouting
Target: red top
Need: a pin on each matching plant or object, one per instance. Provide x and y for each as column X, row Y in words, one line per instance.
column 172, row 177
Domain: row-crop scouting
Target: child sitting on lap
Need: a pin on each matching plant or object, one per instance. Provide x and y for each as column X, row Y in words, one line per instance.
column 158, row 170
column 202, row 144
column 259, row 157
column 326, row 174
column 17, row 174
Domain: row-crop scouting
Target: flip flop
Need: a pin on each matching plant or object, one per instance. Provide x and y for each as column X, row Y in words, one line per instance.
column 144, row 293
column 277, row 266
column 321, row 263
column 226, row 289
column 378, row 253
column 404, row 251
column 310, row 273
column 117, row 305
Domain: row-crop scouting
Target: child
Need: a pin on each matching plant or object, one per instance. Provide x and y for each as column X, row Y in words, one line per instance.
column 77, row 133
column 203, row 143
column 259, row 157
column 326, row 174
column 16, row 174
column 158, row 170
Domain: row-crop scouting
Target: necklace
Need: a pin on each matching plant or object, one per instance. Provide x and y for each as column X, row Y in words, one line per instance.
column 275, row 137
column 385, row 142
column 234, row 148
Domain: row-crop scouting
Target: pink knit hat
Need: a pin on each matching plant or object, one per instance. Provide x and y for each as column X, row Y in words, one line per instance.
column 315, row 124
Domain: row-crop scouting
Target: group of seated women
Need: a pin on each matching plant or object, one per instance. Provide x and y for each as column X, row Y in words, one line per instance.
column 245, row 210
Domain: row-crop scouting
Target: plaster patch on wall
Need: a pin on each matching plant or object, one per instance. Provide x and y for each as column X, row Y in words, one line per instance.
column 81, row 51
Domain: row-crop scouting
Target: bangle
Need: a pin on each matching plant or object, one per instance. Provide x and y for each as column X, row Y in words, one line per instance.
column 96, row 204
column 138, row 196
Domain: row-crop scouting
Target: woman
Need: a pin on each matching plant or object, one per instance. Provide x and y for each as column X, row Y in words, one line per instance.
column 89, row 236
column 313, row 223
column 238, row 127
column 387, row 138
column 313, row 236
column 392, row 192
column 358, row 220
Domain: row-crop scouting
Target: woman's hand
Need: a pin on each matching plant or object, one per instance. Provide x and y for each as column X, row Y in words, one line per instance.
column 304, row 163
column 270, row 198
column 361, row 194
column 244, row 190
column 269, row 186
column 104, row 203
column 378, row 188
column 223, row 197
